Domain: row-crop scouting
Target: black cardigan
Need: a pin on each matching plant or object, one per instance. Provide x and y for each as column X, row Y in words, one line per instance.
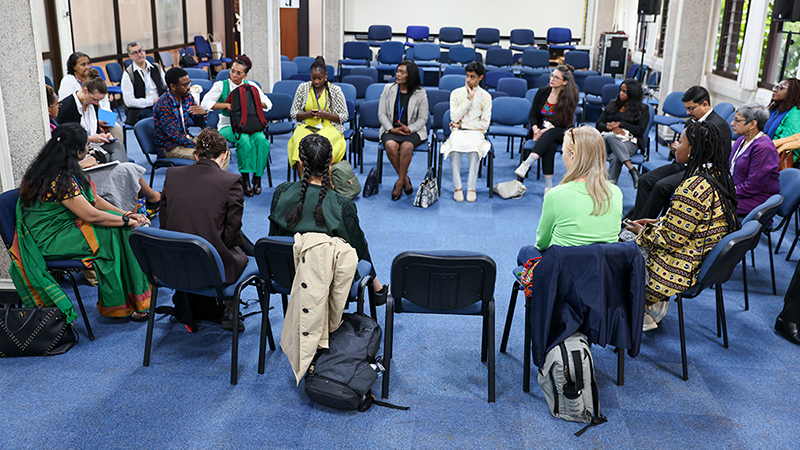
column 68, row 112
column 535, row 116
column 637, row 129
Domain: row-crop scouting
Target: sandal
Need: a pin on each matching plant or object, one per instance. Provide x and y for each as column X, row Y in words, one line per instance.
column 139, row 316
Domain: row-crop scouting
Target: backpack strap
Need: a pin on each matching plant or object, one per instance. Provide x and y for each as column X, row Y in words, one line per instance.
column 259, row 107
column 598, row 418
column 223, row 98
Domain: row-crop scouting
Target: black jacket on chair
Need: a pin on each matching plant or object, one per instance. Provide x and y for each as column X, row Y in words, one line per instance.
column 596, row 289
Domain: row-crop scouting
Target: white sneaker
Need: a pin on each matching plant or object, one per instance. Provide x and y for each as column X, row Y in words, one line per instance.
column 471, row 196
column 658, row 310
column 649, row 323
column 458, row 195
column 522, row 170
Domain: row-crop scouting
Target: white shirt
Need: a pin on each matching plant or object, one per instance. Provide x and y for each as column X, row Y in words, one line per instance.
column 212, row 96
column 150, row 87
column 88, row 119
column 70, row 84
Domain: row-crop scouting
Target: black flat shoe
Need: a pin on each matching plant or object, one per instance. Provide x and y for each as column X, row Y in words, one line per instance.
column 410, row 190
column 635, row 176
column 787, row 329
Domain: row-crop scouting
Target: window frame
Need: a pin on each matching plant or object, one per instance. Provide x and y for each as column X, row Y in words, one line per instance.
column 727, row 22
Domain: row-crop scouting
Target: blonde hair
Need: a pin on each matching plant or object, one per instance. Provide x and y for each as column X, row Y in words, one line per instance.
column 590, row 162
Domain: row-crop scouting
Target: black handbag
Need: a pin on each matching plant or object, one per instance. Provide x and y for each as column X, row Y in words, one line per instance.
column 34, row 332
column 371, row 185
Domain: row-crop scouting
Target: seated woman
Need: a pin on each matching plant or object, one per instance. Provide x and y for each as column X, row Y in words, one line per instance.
column 754, row 159
column 79, row 70
column 120, row 184
column 403, row 113
column 311, row 206
column 784, row 117
column 205, row 200
column 470, row 115
column 252, row 150
column 322, row 108
column 699, row 215
column 81, row 107
column 552, row 112
column 59, row 216
column 623, row 123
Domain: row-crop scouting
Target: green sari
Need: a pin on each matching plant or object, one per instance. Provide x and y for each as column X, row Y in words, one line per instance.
column 49, row 230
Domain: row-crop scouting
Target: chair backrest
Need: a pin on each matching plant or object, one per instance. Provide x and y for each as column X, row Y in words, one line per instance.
column 436, row 96
column 288, row 68
column 391, row 52
column 499, row 57
column 286, row 87
column 100, row 69
column 351, row 113
column 361, row 82
column 301, row 77
column 285, row 58
column 514, row 87
column 144, row 130
column 188, row 50
column 203, row 49
column 374, row 91
column 195, row 73
column 544, row 80
column 577, row 59
column 356, row 50
column 522, row 36
column 275, row 259
column 427, row 51
column 150, row 59
column 720, row 262
column 446, row 123
column 379, row 33
column 654, row 80
column 535, row 58
column 167, row 60
column 417, row 32
column 281, row 106
column 497, row 94
column 594, row 84
column 724, row 109
column 609, row 92
column 348, row 90
column 8, row 216
column 127, row 63
column 487, row 36
column 367, row 71
column 637, row 71
column 212, row 119
column 49, row 82
column 454, row 70
column 558, row 35
column 764, row 212
column 789, row 180
column 652, row 111
column 461, row 55
column 438, row 111
column 493, row 76
column 223, row 75
column 303, row 63
column 673, row 105
column 114, row 72
column 442, row 280
column 451, row 34
column 510, row 111
column 530, row 94
column 368, row 114
column 182, row 261
column 451, row 82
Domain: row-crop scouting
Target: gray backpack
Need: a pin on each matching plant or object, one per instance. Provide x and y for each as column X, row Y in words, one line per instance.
column 567, row 380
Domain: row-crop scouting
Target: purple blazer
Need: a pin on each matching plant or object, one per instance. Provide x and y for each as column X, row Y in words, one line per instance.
column 755, row 174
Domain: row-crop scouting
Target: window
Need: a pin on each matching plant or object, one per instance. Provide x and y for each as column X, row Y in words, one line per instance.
column 93, row 27
column 138, row 23
column 196, row 22
column 775, row 43
column 730, row 37
column 169, row 15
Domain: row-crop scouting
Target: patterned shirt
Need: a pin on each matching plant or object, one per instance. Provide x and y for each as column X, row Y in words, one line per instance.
column 548, row 110
column 172, row 130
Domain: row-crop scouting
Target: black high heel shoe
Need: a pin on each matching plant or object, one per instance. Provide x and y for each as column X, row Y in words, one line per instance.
column 396, row 197
column 410, row 190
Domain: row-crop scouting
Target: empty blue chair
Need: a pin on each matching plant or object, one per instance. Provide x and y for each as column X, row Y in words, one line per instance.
column 301, row 77
column 361, row 82
column 288, row 87
column 542, row 81
column 459, row 54
column 144, row 131
column 454, row 70
column 436, row 96
column 535, row 63
column 204, row 53
column 331, row 72
column 673, row 105
column 389, row 56
column 366, row 71
column 492, row 77
column 514, row 87
column 374, row 91
column 416, row 33
column 581, row 62
column 637, row 71
column 285, row 58
column 450, row 36
column 486, row 38
column 197, row 74
column 440, row 129
column 763, row 214
column 222, row 75
column 279, row 115
column 499, row 59
column 450, row 82
column 522, row 39
column 288, row 69
column 609, row 92
column 724, row 109
column 349, row 91
column 497, row 94
column 593, row 101
column 377, row 34
column 509, row 117
column 427, row 55
column 354, row 54
column 530, row 94
column 303, row 63
column 559, row 39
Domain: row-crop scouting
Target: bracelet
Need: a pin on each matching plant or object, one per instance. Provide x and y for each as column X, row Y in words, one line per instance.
column 125, row 221
column 127, row 214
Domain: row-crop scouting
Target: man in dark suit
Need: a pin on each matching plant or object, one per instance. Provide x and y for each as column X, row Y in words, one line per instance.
column 205, row 200
column 656, row 187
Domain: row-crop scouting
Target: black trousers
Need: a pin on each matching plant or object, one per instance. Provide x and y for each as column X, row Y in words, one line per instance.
column 791, row 302
column 546, row 148
column 655, row 190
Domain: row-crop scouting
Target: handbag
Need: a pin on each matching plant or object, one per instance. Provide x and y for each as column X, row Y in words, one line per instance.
column 510, row 189
column 35, row 331
column 787, row 160
column 428, row 191
column 371, row 184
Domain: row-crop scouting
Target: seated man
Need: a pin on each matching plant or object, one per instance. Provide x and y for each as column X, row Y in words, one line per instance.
column 171, row 115
column 656, row 187
column 142, row 85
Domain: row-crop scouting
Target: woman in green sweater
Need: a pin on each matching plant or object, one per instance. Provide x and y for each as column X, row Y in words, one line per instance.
column 584, row 208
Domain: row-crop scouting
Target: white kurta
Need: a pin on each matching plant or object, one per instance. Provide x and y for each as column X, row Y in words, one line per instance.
column 474, row 117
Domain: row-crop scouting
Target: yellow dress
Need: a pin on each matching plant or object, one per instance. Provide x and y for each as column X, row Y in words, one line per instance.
column 328, row 130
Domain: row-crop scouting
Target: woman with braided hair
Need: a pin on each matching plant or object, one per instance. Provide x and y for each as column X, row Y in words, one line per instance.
column 702, row 211
column 311, row 206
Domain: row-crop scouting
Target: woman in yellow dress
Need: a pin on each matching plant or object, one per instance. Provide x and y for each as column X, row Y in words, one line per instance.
column 319, row 107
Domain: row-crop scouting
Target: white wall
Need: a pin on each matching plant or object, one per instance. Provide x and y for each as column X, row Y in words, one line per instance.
column 505, row 15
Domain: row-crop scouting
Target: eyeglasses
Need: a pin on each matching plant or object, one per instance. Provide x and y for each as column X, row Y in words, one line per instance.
column 237, row 72
column 138, row 52
column 571, row 132
column 555, row 77
column 739, row 120
column 778, row 88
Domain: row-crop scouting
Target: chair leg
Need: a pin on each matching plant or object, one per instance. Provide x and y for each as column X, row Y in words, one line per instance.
column 380, row 163
column 744, row 279
column 512, row 304
column 269, row 174
column 148, row 340
column 387, row 346
column 791, row 249
column 490, row 175
column 620, row 366
column 484, row 337
column 526, row 364
column 490, row 334
column 80, row 304
column 771, row 263
column 752, row 258
column 285, row 300
column 683, row 339
column 721, row 302
column 235, row 344
column 780, row 239
column 439, row 173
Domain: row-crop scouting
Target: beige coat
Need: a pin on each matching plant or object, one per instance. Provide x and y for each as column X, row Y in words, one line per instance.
column 788, row 143
column 324, row 271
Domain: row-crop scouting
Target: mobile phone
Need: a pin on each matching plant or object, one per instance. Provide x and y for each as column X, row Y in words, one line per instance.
column 112, row 140
column 314, row 129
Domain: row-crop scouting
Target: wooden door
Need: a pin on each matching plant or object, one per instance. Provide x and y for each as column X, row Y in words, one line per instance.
column 289, row 41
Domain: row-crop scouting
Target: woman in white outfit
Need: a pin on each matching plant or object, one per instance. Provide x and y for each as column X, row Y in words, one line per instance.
column 470, row 115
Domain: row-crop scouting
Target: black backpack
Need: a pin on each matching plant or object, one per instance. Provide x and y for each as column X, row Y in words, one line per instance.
column 247, row 115
column 187, row 60
column 341, row 375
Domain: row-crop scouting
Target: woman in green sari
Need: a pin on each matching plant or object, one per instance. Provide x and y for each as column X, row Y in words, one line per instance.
column 60, row 217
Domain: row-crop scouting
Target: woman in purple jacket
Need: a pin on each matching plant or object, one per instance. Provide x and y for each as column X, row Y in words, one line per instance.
column 754, row 159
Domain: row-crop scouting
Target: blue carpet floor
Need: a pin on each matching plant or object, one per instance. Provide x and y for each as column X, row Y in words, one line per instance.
column 98, row 395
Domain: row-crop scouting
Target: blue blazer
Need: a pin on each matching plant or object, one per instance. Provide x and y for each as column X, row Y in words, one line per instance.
column 596, row 289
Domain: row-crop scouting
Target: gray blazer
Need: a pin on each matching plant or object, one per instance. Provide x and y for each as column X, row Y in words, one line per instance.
column 417, row 110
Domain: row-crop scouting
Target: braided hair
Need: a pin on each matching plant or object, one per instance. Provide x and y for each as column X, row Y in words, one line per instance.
column 315, row 154
column 708, row 146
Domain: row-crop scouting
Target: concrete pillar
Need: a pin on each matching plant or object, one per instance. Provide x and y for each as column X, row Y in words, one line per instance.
column 261, row 40
column 333, row 34
column 602, row 12
column 23, row 112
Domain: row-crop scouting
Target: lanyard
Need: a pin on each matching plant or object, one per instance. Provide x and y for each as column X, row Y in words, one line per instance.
column 317, row 98
column 399, row 108
column 183, row 120
column 741, row 150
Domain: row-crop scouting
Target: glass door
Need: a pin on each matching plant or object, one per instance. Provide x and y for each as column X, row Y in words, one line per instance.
column 48, row 39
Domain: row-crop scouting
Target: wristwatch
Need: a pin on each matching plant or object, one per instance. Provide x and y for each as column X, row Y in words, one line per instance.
column 125, row 220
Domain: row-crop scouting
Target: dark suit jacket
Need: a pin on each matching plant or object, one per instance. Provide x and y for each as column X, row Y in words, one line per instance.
column 723, row 127
column 68, row 112
column 205, row 200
